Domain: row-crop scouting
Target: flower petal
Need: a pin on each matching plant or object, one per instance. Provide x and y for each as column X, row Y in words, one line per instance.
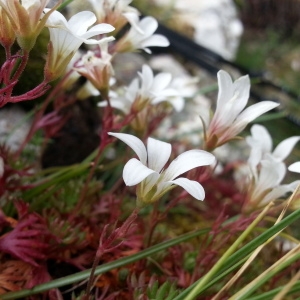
column 156, row 40
column 252, row 112
column 280, row 191
column 295, row 167
column 98, row 29
column 134, row 172
column 134, row 143
column 241, row 90
column 80, row 22
column 284, row 148
column 260, row 142
column 187, row 161
column 225, row 89
column 158, row 154
column 261, row 137
column 148, row 25
column 194, row 188
column 271, row 174
column 147, row 79
column 161, row 81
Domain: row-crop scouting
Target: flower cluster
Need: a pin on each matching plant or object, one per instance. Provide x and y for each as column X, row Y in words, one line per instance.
column 149, row 174
column 80, row 213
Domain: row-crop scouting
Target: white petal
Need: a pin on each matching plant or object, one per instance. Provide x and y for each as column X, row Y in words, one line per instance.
column 284, row 148
column 147, row 79
column 148, row 25
column 225, row 89
column 194, row 188
column 124, row 105
column 161, row 81
column 176, row 102
column 80, row 22
column 99, row 29
column 132, row 89
column 187, row 161
column 156, row 40
column 260, row 142
column 241, row 89
column 252, row 112
column 134, row 143
column 158, row 154
column 133, row 19
column 149, row 182
column 280, row 191
column 270, row 176
column 56, row 19
column 261, row 136
column 295, row 167
column 134, row 172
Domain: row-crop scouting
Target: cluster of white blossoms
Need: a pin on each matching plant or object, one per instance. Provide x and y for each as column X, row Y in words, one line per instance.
column 24, row 20
column 266, row 169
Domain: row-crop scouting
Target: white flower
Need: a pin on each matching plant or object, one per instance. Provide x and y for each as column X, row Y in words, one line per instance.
column 266, row 183
column 140, row 36
column 261, row 144
column 96, row 69
column 153, row 181
column 27, row 19
column 230, row 117
column 67, row 36
column 295, row 167
column 148, row 89
column 71, row 76
column 113, row 12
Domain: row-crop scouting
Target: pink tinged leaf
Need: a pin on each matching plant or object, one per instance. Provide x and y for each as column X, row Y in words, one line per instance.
column 284, row 148
column 25, row 243
column 187, row 161
column 295, row 167
column 194, row 188
column 134, row 143
column 134, row 172
column 158, row 154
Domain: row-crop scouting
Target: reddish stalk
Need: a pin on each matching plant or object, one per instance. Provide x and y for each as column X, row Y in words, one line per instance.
column 21, row 67
column 106, row 246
